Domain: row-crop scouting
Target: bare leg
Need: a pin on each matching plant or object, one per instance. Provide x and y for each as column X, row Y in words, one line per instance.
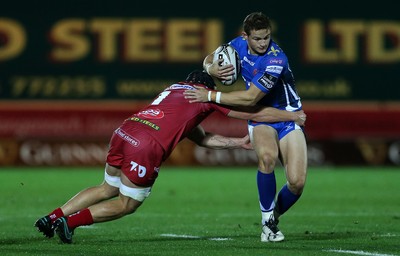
column 294, row 154
column 114, row 209
column 92, row 195
column 103, row 210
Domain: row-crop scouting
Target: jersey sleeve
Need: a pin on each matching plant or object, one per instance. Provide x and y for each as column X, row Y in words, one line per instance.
column 264, row 81
column 271, row 70
column 235, row 43
column 220, row 108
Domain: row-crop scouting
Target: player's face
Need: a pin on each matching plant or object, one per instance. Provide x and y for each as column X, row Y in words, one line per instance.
column 258, row 41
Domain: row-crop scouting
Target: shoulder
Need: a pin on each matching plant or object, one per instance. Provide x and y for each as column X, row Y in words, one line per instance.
column 274, row 56
column 276, row 52
column 238, row 43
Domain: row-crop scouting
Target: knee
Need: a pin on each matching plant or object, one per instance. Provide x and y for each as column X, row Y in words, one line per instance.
column 296, row 186
column 267, row 162
column 130, row 207
column 130, row 210
column 108, row 191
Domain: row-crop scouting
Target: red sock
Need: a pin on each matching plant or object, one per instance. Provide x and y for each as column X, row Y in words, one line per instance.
column 57, row 213
column 81, row 218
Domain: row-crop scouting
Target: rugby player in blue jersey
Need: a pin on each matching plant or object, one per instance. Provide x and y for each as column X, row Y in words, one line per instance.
column 269, row 82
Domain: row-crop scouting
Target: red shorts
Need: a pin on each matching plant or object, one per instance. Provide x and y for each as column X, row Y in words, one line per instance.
column 136, row 153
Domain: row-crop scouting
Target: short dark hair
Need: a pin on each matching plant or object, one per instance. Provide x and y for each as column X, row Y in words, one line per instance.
column 200, row 77
column 256, row 21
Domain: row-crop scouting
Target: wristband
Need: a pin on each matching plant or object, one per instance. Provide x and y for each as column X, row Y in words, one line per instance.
column 209, row 96
column 218, row 97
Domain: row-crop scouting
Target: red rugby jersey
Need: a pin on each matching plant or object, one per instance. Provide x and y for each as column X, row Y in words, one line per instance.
column 170, row 117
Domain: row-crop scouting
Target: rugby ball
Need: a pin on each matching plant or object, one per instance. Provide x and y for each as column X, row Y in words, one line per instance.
column 229, row 56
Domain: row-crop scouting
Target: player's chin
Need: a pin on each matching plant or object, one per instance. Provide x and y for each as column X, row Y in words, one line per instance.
column 261, row 51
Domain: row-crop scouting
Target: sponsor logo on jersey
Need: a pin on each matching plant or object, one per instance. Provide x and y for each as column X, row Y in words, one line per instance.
column 273, row 51
column 267, row 81
column 181, row 87
column 275, row 61
column 145, row 122
column 274, row 69
column 131, row 140
column 248, row 61
column 151, row 113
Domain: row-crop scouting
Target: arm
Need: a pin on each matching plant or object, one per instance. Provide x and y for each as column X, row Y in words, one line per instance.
column 268, row 114
column 248, row 97
column 215, row 141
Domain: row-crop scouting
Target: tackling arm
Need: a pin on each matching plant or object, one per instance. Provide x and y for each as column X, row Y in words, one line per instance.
column 215, row 141
column 248, row 97
column 268, row 114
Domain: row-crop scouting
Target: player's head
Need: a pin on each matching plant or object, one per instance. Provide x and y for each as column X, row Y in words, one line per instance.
column 256, row 21
column 200, row 77
column 257, row 32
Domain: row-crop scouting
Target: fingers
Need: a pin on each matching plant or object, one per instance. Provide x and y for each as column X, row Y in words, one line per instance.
column 226, row 72
column 190, row 94
column 195, row 95
column 223, row 72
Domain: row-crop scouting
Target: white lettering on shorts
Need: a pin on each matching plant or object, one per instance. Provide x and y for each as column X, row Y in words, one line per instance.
column 141, row 170
column 131, row 140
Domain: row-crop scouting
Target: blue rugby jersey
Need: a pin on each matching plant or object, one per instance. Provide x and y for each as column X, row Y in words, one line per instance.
column 270, row 73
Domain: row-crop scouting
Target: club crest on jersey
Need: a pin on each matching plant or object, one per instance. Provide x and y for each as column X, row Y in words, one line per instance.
column 151, row 113
column 273, row 51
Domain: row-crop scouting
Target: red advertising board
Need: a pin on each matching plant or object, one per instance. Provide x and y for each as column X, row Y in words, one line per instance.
column 77, row 133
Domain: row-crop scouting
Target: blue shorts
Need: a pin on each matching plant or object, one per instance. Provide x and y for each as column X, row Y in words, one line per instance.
column 282, row 128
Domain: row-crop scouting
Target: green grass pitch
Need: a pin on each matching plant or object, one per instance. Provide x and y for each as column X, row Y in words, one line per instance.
column 210, row 211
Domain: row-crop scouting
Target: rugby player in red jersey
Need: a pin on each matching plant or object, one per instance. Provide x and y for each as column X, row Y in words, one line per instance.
column 138, row 148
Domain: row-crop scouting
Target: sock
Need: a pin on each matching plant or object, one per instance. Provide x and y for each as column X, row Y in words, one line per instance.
column 57, row 213
column 81, row 218
column 284, row 201
column 266, row 184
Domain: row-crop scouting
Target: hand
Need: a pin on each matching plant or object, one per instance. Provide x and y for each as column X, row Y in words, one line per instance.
column 199, row 95
column 301, row 118
column 246, row 143
column 222, row 72
column 219, row 71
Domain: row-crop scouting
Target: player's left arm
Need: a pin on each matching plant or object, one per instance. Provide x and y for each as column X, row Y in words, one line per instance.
column 215, row 141
column 268, row 114
column 248, row 97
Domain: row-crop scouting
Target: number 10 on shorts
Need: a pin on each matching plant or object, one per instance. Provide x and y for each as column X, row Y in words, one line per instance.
column 141, row 170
